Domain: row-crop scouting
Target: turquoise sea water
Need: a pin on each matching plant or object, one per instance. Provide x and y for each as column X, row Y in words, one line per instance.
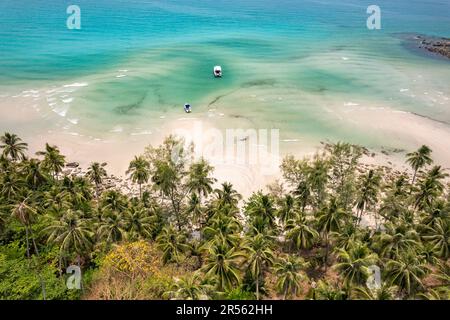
column 286, row 63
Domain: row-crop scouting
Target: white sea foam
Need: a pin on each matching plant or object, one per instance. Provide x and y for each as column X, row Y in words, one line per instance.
column 404, row 90
column 76, row 85
column 121, row 75
column 116, row 129
column 146, row 132
column 73, row 121
column 62, row 110
column 290, row 140
column 69, row 100
column 351, row 104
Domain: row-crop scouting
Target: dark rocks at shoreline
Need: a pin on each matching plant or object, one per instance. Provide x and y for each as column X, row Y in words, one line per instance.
column 440, row 46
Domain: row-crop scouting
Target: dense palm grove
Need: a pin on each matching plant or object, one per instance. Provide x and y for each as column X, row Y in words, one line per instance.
column 316, row 235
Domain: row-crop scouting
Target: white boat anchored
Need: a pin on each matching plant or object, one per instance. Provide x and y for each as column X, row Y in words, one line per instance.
column 217, row 71
column 187, row 108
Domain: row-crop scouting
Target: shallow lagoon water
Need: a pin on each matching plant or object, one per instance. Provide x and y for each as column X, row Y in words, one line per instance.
column 287, row 64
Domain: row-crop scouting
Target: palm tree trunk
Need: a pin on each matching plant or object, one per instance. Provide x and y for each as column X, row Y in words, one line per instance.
column 44, row 294
column 81, row 279
column 140, row 191
column 326, row 251
column 28, row 242
column 257, row 288
column 414, row 177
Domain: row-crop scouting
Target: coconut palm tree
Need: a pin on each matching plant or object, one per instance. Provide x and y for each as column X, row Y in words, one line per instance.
column 367, row 194
column 439, row 237
column 139, row 171
column 318, row 179
column 11, row 186
column 71, row 233
column 262, row 205
column 406, row 272
column 199, row 180
column 13, row 147
column 260, row 257
column 303, row 194
column 112, row 227
column 289, row 277
column 26, row 214
column 96, row 172
column 56, row 198
column 222, row 263
column 172, row 244
column 34, row 176
column 430, row 188
column 195, row 210
column 301, row 233
column 138, row 223
column 330, row 219
column 53, row 160
column 353, row 263
column 385, row 292
column 188, row 288
column 113, row 200
column 419, row 159
column 227, row 195
column 223, row 228
column 287, row 210
column 323, row 290
column 397, row 239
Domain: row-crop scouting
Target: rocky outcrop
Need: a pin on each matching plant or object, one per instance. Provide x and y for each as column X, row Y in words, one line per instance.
column 440, row 46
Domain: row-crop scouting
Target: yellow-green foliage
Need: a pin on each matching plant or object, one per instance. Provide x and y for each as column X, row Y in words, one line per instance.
column 136, row 259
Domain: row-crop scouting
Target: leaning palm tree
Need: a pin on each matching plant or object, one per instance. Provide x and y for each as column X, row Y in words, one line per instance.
column 96, row 172
column 53, row 160
column 26, row 215
column 289, row 277
column 419, row 159
column 260, row 257
column 13, row 147
column 139, row 170
column 407, row 272
column 301, row 233
column 199, row 180
column 222, row 263
column 353, row 263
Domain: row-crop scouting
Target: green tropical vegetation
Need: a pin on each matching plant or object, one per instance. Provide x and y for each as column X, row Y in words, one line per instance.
column 182, row 234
